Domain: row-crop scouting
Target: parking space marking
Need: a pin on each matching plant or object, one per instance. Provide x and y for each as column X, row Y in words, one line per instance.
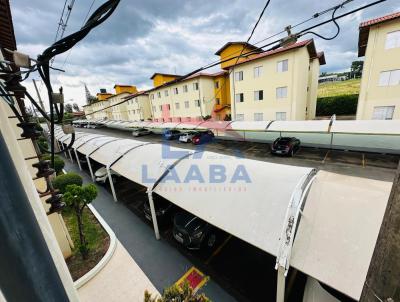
column 326, row 156
column 218, row 250
column 194, row 277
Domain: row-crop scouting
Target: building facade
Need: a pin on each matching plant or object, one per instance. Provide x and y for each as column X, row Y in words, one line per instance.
column 379, row 42
column 138, row 107
column 276, row 85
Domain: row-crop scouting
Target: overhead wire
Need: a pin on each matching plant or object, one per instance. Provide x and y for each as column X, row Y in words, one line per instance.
column 299, row 34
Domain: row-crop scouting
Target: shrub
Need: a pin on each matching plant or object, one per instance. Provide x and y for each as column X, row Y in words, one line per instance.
column 43, row 144
column 339, row 105
column 62, row 181
column 176, row 293
column 58, row 162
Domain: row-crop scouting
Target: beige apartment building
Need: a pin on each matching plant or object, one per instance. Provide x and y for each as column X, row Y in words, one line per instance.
column 379, row 42
column 276, row 85
column 138, row 107
column 189, row 100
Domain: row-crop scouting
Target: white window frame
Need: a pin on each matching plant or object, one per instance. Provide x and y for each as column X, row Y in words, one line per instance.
column 280, row 94
column 239, row 117
column 196, row 86
column 392, row 40
column 389, row 78
column 159, row 94
column 282, row 66
column 257, row 95
column 177, row 106
column 187, row 104
column 185, row 88
column 239, row 98
column 176, row 91
column 238, row 76
column 279, row 116
column 197, row 103
column 258, row 116
column 383, row 112
column 258, row 71
column 166, row 92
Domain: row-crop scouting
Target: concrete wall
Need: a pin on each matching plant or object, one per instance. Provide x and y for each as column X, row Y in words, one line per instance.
column 378, row 59
column 297, row 79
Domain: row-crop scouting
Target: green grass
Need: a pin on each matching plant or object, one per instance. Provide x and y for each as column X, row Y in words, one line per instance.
column 339, row 88
column 96, row 236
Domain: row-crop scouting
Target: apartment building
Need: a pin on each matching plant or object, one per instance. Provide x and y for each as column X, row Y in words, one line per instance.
column 191, row 99
column 138, row 107
column 276, row 85
column 88, row 110
column 119, row 110
column 379, row 42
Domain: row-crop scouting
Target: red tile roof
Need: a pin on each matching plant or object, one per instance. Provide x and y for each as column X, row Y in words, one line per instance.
column 380, row 19
column 309, row 43
column 364, row 30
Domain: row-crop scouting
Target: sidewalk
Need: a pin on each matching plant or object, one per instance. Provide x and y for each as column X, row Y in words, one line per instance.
column 161, row 263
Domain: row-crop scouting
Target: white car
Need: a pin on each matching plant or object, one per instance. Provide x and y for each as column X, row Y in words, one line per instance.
column 101, row 175
column 187, row 137
column 140, row 132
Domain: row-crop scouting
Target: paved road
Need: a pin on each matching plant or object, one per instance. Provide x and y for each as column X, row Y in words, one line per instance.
column 368, row 165
column 160, row 261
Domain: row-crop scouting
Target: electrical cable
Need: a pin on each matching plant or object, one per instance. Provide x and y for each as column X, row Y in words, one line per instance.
column 337, row 27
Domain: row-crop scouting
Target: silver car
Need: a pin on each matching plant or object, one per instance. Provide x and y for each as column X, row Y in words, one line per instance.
column 187, row 137
column 101, row 175
column 140, row 132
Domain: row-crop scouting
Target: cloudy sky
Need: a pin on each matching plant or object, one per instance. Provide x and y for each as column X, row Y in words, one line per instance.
column 147, row 36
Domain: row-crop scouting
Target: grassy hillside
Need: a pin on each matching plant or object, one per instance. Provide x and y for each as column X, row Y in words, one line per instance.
column 339, row 88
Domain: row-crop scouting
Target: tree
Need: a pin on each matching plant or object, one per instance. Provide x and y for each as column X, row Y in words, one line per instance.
column 89, row 98
column 356, row 69
column 177, row 293
column 77, row 198
column 68, row 108
column 75, row 106
column 62, row 181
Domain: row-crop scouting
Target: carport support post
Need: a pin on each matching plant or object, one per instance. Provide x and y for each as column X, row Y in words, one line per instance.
column 77, row 160
column 111, row 184
column 280, row 285
column 90, row 167
column 384, row 271
column 153, row 213
column 70, row 155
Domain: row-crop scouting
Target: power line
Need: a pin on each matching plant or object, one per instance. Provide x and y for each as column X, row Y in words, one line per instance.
column 299, row 34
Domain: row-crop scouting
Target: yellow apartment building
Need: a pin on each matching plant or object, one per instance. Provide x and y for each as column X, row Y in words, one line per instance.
column 88, row 109
column 276, row 85
column 99, row 110
column 138, row 107
column 379, row 42
column 119, row 110
column 191, row 99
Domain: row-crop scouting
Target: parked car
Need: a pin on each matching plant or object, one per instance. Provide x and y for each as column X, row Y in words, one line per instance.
column 187, row 137
column 202, row 137
column 171, row 134
column 193, row 232
column 101, row 176
column 140, row 132
column 82, row 160
column 285, row 146
column 163, row 209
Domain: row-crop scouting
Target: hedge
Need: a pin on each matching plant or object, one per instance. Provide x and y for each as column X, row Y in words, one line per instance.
column 62, row 181
column 58, row 162
column 339, row 105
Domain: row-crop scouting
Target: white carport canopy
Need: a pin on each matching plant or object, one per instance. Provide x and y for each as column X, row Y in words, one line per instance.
column 83, row 139
column 188, row 126
column 300, row 126
column 109, row 153
column 388, row 127
column 67, row 140
column 338, row 230
column 249, row 126
column 154, row 125
column 91, row 145
column 252, row 209
column 169, row 125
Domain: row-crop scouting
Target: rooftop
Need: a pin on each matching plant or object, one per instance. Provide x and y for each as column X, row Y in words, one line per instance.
column 248, row 45
column 164, row 74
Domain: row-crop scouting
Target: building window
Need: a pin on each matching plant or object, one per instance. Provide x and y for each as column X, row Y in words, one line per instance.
column 239, row 76
column 282, row 66
column 152, row 96
column 217, row 84
column 258, row 116
column 217, row 101
column 197, row 103
column 392, row 40
column 281, row 116
column 154, row 108
column 195, row 86
column 389, row 78
column 160, row 107
column 133, row 111
column 281, row 92
column 258, row 71
column 166, row 92
column 258, row 95
column 177, row 106
column 159, row 94
column 186, row 104
column 239, row 98
column 185, row 88
column 169, row 106
column 383, row 113
column 176, row 90
column 239, row 117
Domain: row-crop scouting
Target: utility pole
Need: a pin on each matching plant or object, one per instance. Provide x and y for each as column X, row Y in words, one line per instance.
column 38, row 95
column 383, row 278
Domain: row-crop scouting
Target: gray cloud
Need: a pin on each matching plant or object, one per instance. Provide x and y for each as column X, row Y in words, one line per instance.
column 143, row 37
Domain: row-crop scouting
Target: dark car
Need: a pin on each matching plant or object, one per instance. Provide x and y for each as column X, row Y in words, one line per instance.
column 171, row 134
column 203, row 137
column 285, row 146
column 193, row 232
column 163, row 209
